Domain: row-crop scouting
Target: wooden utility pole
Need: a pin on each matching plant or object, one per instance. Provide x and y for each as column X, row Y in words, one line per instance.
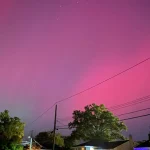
column 54, row 127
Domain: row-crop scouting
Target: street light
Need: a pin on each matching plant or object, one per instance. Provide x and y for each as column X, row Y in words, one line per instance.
column 30, row 142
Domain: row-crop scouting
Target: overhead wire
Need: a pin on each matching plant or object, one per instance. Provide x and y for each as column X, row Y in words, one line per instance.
column 135, row 117
column 124, row 105
column 64, row 99
column 104, row 80
column 60, row 122
column 65, row 126
column 130, row 103
column 133, row 112
column 40, row 115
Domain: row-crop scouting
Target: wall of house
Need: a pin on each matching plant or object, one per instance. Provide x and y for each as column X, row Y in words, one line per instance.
column 103, row 149
column 88, row 148
column 79, row 148
column 125, row 146
column 95, row 148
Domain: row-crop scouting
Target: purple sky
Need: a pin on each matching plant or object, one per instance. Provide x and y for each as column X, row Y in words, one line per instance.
column 54, row 48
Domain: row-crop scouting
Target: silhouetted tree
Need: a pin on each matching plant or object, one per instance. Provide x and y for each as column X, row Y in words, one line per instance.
column 11, row 131
column 96, row 122
column 46, row 139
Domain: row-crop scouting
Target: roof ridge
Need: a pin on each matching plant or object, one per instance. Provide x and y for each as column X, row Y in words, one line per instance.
column 98, row 143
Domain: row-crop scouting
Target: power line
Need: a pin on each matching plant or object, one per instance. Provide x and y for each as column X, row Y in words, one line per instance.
column 104, row 81
column 124, row 105
column 131, row 103
column 41, row 114
column 135, row 117
column 60, row 122
column 65, row 119
column 122, row 119
column 92, row 87
column 128, row 103
column 133, row 112
column 62, row 126
column 65, row 126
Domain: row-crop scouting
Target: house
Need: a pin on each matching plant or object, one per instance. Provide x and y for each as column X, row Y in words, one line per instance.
column 99, row 145
column 49, row 146
column 144, row 146
column 136, row 143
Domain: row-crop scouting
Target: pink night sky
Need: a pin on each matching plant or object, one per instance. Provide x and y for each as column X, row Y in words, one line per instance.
column 52, row 49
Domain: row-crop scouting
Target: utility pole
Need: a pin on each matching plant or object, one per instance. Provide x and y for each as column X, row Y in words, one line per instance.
column 30, row 142
column 54, row 127
column 31, row 137
column 32, row 134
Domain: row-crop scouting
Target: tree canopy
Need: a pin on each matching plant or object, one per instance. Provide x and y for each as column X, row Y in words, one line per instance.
column 11, row 130
column 46, row 138
column 69, row 141
column 96, row 122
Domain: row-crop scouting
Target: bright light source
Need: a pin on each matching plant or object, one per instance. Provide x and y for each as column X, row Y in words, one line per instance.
column 29, row 137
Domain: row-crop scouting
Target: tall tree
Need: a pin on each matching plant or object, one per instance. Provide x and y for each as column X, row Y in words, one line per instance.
column 46, row 138
column 96, row 122
column 11, row 130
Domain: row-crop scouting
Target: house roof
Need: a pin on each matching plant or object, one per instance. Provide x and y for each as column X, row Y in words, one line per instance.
column 100, row 144
column 144, row 144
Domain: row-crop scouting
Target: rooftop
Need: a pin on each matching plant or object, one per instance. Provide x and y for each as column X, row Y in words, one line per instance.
column 100, row 144
column 144, row 144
